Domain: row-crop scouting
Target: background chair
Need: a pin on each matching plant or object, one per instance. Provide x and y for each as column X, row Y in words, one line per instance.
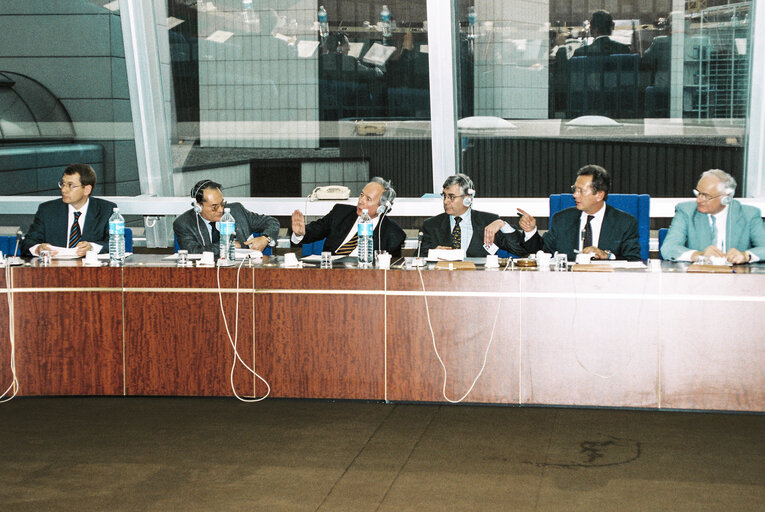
column 662, row 236
column 313, row 247
column 637, row 205
column 128, row 240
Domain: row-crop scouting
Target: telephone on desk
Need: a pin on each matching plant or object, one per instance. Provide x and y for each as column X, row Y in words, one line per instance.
column 334, row 192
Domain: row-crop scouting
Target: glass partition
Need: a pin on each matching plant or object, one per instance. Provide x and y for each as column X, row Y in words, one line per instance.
column 655, row 91
column 275, row 98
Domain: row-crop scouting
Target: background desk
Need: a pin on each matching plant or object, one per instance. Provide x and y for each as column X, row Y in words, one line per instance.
column 626, row 339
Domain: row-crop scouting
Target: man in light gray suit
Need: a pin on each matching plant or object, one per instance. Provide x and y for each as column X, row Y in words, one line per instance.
column 716, row 225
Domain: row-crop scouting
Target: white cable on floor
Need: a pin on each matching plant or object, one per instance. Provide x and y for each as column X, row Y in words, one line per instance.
column 13, row 388
column 234, row 340
column 435, row 348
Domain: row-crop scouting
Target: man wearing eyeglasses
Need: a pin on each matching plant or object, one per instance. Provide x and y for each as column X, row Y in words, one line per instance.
column 197, row 231
column 76, row 221
column 591, row 227
column 461, row 227
column 715, row 225
column 339, row 228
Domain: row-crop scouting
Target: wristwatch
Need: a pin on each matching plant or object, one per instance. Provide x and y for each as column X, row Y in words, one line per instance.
column 269, row 241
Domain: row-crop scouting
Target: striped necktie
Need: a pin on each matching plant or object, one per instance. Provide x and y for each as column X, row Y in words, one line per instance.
column 349, row 246
column 74, row 233
column 457, row 233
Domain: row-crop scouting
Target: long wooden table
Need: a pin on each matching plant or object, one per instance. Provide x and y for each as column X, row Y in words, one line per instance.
column 625, row 339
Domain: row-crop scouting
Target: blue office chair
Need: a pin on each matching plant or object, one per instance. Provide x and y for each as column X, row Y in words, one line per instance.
column 8, row 244
column 313, row 247
column 637, row 205
column 662, row 236
column 268, row 251
column 128, row 240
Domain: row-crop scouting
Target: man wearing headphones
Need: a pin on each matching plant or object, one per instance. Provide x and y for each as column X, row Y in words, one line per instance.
column 715, row 225
column 591, row 227
column 340, row 226
column 196, row 230
column 462, row 227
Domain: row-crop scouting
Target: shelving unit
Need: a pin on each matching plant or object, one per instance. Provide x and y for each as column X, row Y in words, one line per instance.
column 716, row 63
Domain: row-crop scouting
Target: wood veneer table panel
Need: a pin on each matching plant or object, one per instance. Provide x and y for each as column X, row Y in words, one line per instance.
column 590, row 338
column 713, row 342
column 319, row 333
column 68, row 330
column 463, row 306
column 175, row 336
column 6, row 375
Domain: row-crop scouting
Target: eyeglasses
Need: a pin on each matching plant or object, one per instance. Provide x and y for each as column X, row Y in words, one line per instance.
column 704, row 196
column 70, row 186
column 580, row 190
column 451, row 197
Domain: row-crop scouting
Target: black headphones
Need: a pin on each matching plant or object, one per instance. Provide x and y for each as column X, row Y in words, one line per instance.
column 196, row 189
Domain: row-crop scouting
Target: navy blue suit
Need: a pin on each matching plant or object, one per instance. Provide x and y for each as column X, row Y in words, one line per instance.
column 437, row 231
column 50, row 225
column 618, row 234
column 334, row 226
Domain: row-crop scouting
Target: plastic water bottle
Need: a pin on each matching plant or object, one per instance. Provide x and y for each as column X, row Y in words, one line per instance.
column 248, row 12
column 385, row 21
column 323, row 24
column 227, row 229
column 116, row 237
column 471, row 22
column 366, row 241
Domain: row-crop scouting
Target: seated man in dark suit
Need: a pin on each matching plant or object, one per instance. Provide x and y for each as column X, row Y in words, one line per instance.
column 340, row 225
column 601, row 28
column 715, row 225
column 196, row 229
column 77, row 220
column 591, row 227
column 462, row 227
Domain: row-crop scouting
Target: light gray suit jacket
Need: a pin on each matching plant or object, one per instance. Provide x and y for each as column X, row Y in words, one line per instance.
column 691, row 230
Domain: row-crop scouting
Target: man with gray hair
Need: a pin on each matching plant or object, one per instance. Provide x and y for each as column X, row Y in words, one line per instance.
column 715, row 225
column 340, row 226
column 461, row 227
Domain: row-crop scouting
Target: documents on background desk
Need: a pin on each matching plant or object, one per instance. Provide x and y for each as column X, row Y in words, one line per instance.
column 607, row 265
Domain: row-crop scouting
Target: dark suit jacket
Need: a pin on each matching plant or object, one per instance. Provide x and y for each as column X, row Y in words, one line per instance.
column 50, row 224
column 618, row 234
column 436, row 231
column 603, row 45
column 189, row 226
column 335, row 225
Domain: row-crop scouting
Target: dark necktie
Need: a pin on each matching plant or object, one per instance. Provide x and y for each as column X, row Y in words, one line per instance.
column 587, row 239
column 74, row 233
column 215, row 233
column 457, row 234
column 349, row 246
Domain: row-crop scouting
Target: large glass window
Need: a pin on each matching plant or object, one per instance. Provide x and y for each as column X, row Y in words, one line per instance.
column 655, row 91
column 274, row 98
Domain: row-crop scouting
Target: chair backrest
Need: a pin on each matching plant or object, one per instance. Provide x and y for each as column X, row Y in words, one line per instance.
column 313, row 247
column 662, row 236
column 604, row 85
column 268, row 251
column 637, row 205
column 128, row 240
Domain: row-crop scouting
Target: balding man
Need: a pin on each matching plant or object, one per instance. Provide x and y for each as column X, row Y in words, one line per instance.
column 340, row 225
column 715, row 225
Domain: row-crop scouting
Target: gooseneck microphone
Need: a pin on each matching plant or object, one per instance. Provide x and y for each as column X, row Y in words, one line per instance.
column 18, row 242
column 419, row 243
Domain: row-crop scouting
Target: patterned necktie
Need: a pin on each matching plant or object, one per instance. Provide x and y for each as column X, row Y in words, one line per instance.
column 74, row 233
column 215, row 233
column 587, row 241
column 349, row 246
column 457, row 234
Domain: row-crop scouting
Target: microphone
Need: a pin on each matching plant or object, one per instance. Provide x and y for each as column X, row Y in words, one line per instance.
column 419, row 243
column 16, row 260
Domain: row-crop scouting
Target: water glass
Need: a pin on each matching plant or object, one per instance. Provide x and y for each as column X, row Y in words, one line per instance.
column 561, row 262
column 326, row 259
column 183, row 258
column 45, row 257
